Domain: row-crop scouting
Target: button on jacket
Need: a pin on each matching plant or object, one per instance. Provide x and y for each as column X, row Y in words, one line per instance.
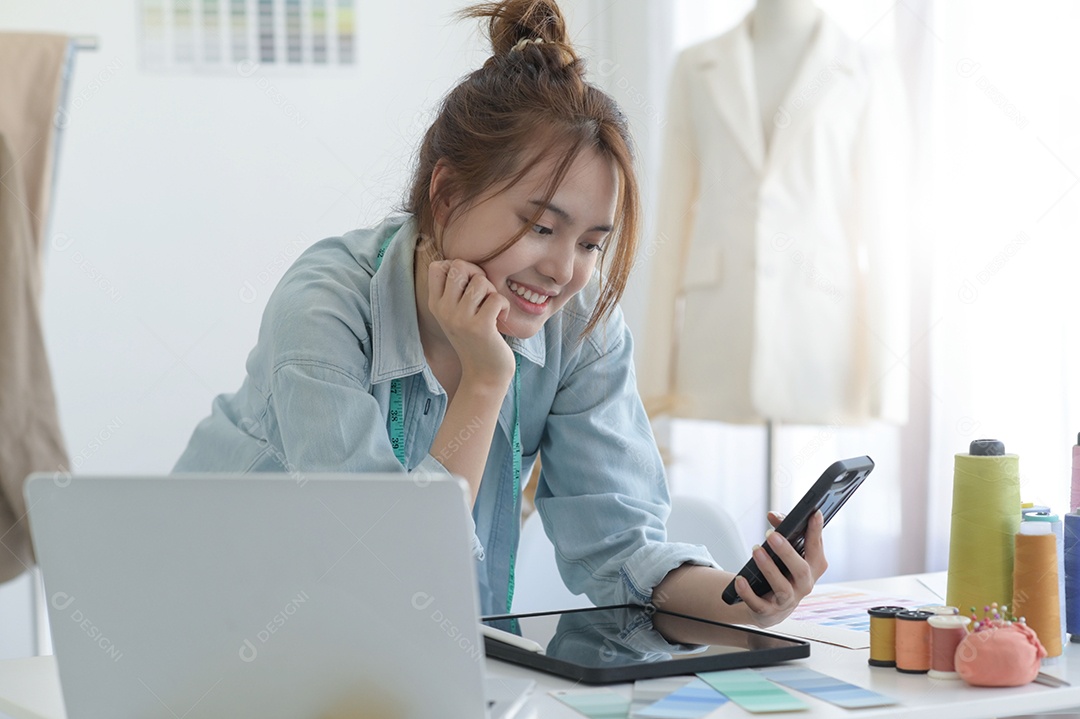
column 316, row 398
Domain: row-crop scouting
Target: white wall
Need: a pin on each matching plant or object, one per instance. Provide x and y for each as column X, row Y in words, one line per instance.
column 181, row 199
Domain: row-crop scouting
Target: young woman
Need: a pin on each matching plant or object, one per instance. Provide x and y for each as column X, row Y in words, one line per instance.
column 480, row 330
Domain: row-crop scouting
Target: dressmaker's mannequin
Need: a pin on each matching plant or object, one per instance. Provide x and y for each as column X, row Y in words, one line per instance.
column 780, row 32
column 780, row 291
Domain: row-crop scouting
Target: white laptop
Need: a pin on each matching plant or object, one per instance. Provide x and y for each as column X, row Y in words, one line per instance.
column 213, row 596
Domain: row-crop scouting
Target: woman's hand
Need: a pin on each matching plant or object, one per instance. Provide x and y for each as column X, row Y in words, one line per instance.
column 786, row 593
column 467, row 306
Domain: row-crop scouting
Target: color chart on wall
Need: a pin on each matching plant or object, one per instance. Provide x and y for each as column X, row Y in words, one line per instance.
column 238, row 35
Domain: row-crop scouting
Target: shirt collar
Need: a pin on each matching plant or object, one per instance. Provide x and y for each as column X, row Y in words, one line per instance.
column 397, row 351
column 533, row 349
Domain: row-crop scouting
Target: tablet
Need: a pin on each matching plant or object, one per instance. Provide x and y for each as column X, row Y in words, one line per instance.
column 605, row 645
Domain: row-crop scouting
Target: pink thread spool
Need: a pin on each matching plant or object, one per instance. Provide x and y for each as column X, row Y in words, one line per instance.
column 946, row 633
column 1074, row 497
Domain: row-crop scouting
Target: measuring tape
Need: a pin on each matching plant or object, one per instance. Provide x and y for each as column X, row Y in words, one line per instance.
column 396, row 420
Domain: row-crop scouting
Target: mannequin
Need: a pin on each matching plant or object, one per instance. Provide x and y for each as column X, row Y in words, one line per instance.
column 780, row 31
column 780, row 291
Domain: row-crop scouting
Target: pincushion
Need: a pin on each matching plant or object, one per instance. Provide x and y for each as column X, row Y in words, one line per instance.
column 1004, row 655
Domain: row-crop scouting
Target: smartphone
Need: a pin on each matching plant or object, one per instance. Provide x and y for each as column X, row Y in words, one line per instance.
column 828, row 494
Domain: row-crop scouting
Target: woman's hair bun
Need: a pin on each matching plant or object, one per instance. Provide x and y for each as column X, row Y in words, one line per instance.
column 529, row 102
column 512, row 22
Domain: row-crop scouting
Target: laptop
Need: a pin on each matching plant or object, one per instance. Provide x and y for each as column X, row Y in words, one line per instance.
column 319, row 596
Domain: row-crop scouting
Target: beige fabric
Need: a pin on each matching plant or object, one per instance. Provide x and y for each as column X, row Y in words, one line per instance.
column 30, row 438
column 31, row 72
column 31, row 76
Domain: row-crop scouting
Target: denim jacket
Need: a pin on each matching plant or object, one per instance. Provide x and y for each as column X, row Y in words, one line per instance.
column 317, row 393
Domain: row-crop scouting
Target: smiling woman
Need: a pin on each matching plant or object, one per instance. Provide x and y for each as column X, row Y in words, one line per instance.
column 555, row 253
column 480, row 330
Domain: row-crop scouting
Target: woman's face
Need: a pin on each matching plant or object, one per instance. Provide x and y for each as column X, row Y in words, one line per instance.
column 556, row 256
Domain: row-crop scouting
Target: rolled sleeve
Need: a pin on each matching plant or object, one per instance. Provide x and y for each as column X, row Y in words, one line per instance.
column 648, row 566
column 602, row 492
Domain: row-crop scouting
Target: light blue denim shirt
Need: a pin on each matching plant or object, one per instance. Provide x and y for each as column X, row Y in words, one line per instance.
column 317, row 395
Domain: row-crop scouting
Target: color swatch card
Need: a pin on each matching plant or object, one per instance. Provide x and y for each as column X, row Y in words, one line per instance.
column 595, row 703
column 837, row 615
column 649, row 691
column 826, row 688
column 753, row 692
column 693, row 700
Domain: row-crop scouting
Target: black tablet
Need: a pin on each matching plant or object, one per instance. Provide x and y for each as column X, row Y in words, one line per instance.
column 606, row 645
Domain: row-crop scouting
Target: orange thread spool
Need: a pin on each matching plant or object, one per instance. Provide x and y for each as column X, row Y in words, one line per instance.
column 1035, row 584
column 946, row 633
column 883, row 636
column 912, row 642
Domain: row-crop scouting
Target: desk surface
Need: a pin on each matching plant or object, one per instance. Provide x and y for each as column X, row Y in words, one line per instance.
column 30, row 688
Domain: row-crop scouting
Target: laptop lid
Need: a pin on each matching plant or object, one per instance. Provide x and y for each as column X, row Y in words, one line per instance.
column 260, row 595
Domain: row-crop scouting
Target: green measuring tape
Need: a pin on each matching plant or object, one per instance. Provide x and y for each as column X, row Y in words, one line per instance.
column 397, row 432
column 516, row 451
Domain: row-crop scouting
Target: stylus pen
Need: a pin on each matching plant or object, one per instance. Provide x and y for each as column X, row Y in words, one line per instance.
column 512, row 639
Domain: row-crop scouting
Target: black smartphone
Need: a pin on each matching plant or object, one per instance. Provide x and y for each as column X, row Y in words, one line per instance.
column 828, row 494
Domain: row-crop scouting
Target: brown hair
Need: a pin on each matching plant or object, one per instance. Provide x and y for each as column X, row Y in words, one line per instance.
column 529, row 95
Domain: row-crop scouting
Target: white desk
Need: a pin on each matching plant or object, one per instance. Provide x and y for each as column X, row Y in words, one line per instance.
column 30, row 688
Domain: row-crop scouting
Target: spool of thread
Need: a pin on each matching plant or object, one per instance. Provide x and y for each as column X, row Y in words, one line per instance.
column 1028, row 508
column 1035, row 590
column 986, row 496
column 913, row 642
column 1074, row 502
column 1072, row 576
column 946, row 633
column 883, row 636
column 941, row 609
column 1057, row 527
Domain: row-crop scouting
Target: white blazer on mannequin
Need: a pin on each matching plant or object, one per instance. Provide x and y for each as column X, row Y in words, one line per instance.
column 780, row 289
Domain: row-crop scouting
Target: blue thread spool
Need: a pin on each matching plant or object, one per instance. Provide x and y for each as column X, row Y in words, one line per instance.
column 1072, row 576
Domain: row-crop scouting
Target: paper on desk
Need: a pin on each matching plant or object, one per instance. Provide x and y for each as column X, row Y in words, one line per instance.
column 937, row 583
column 837, row 615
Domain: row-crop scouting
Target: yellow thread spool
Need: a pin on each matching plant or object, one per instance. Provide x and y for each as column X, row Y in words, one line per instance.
column 985, row 518
column 883, row 636
column 1035, row 591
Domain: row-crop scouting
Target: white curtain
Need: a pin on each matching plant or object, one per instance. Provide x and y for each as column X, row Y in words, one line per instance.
column 995, row 112
column 1004, row 166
